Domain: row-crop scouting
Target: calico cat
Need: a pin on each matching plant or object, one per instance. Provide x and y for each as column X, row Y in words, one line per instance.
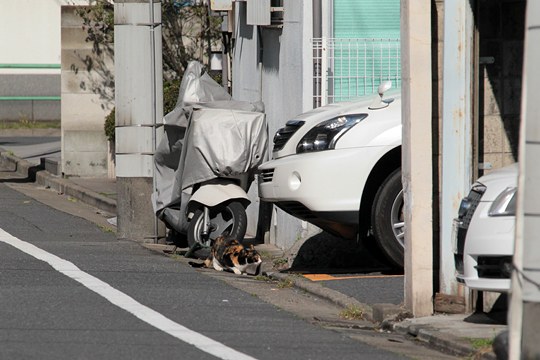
column 229, row 254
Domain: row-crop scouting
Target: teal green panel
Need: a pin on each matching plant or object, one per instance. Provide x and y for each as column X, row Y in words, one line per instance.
column 358, row 66
column 366, row 18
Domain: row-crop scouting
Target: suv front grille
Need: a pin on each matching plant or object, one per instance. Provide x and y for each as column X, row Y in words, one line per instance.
column 474, row 199
column 463, row 226
column 284, row 134
column 266, row 175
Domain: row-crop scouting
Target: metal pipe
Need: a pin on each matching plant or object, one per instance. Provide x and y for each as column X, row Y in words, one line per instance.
column 317, row 52
column 153, row 97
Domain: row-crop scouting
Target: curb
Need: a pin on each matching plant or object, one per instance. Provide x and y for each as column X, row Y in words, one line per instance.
column 389, row 317
column 318, row 290
column 19, row 166
column 67, row 187
column 445, row 342
column 42, row 177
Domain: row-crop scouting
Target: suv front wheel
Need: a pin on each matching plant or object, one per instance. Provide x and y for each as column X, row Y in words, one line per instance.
column 387, row 218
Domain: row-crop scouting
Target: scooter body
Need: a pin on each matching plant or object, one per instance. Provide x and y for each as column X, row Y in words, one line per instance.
column 217, row 207
column 214, row 194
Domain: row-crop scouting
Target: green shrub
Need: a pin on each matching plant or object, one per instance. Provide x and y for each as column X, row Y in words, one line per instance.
column 170, row 95
column 110, row 125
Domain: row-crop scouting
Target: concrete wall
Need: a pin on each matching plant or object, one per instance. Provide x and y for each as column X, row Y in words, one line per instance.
column 270, row 65
column 19, row 84
column 84, row 145
column 30, row 34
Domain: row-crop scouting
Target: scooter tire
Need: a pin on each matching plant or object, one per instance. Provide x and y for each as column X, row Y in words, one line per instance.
column 227, row 219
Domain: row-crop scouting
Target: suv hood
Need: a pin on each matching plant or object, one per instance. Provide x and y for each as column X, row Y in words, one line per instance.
column 296, row 128
column 498, row 180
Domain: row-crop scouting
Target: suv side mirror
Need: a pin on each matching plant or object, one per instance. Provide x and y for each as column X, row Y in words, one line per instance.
column 378, row 102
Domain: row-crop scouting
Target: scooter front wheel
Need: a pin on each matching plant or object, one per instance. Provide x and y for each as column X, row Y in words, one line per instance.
column 228, row 219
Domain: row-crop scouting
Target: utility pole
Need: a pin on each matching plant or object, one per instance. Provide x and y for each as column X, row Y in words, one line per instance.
column 139, row 104
column 417, row 154
column 524, row 313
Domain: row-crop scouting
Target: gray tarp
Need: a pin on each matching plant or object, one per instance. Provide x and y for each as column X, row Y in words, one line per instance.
column 206, row 136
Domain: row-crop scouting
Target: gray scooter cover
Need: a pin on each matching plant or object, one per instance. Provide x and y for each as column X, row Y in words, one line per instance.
column 207, row 135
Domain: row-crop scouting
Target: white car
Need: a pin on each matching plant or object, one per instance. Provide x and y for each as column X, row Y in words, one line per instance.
column 339, row 167
column 484, row 231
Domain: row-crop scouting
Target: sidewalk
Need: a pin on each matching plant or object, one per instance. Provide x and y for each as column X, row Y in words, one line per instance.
column 464, row 335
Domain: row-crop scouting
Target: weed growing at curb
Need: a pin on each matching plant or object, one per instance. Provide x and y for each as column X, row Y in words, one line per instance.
column 279, row 262
column 352, row 313
column 106, row 229
column 263, row 278
column 285, row 283
column 481, row 343
column 281, row 284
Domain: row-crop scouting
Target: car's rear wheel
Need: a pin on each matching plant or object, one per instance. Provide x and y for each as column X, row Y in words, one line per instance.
column 387, row 218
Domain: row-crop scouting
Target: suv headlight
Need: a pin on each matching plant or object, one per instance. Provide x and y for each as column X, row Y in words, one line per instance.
column 505, row 203
column 325, row 134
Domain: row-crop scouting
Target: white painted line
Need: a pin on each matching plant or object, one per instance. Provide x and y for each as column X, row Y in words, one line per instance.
column 126, row 302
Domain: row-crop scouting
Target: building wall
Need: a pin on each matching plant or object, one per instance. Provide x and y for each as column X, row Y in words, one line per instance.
column 496, row 98
column 270, row 64
column 30, row 35
column 501, row 33
column 84, row 145
column 500, row 26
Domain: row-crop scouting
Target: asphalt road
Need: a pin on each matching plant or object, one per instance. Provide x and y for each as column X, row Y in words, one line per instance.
column 48, row 314
column 356, row 272
column 117, row 300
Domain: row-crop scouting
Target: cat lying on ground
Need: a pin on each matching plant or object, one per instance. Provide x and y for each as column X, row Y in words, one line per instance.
column 229, row 254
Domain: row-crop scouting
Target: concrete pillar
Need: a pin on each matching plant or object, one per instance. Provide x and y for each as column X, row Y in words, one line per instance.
column 416, row 47
column 139, row 103
column 524, row 314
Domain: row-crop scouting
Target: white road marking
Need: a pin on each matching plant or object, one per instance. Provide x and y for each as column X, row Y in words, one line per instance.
column 126, row 302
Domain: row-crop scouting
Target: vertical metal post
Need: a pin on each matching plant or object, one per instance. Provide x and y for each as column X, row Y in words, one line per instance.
column 457, row 114
column 153, row 84
column 324, row 71
column 317, row 53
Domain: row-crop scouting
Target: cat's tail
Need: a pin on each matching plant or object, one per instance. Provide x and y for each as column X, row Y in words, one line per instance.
column 205, row 264
column 196, row 265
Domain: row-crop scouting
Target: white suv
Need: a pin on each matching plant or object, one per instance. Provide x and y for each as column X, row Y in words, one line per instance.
column 484, row 231
column 339, row 167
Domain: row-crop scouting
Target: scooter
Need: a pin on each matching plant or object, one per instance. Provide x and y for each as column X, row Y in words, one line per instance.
column 217, row 207
column 206, row 162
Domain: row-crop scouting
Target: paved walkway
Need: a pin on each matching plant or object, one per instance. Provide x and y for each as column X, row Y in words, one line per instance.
column 458, row 334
